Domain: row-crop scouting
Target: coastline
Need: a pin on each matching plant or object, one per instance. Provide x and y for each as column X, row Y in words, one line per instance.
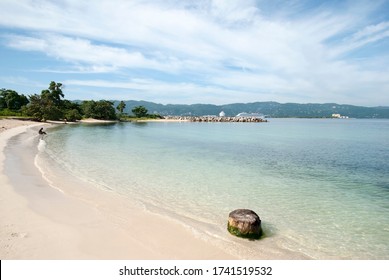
column 96, row 121
column 38, row 221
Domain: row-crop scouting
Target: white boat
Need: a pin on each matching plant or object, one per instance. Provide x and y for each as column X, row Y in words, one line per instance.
column 251, row 115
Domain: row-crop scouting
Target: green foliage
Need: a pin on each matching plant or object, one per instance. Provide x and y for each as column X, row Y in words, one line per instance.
column 121, row 107
column 54, row 93
column 48, row 105
column 102, row 110
column 87, row 108
column 154, row 116
column 10, row 99
column 73, row 115
column 140, row 111
column 8, row 113
column 43, row 108
column 72, row 111
column 51, row 105
column 250, row 235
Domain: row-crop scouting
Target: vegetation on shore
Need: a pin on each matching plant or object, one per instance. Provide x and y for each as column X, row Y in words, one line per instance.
column 139, row 113
column 51, row 105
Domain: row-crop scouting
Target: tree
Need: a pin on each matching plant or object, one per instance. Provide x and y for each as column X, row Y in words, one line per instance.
column 73, row 115
column 102, row 110
column 54, row 93
column 139, row 111
column 72, row 110
column 87, row 108
column 121, row 107
column 48, row 105
column 42, row 108
column 10, row 99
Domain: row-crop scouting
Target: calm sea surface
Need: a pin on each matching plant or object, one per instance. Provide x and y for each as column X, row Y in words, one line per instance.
column 320, row 186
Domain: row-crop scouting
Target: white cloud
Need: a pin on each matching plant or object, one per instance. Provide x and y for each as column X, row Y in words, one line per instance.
column 361, row 38
column 32, row 85
column 225, row 47
column 160, row 91
column 234, row 12
column 370, row 30
column 97, row 57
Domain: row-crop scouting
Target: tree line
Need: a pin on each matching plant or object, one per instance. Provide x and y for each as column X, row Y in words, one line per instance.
column 52, row 105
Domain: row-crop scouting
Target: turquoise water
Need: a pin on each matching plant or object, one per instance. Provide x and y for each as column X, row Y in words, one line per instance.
column 320, row 186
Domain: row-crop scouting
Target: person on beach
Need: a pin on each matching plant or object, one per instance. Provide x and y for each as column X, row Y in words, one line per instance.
column 41, row 132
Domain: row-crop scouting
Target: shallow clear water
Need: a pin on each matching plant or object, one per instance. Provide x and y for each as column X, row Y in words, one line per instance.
column 321, row 187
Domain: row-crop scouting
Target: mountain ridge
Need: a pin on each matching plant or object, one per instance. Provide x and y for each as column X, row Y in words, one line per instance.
column 268, row 108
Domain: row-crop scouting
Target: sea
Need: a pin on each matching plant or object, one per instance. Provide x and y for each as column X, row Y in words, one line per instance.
column 320, row 186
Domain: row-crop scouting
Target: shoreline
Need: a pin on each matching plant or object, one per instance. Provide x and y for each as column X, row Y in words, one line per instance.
column 38, row 221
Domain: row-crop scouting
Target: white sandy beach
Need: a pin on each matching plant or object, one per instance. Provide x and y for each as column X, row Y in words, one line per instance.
column 38, row 221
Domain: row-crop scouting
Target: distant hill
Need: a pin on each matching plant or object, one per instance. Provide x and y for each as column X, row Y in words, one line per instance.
column 270, row 109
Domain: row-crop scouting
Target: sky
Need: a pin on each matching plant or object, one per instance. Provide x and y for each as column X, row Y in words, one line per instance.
column 199, row 51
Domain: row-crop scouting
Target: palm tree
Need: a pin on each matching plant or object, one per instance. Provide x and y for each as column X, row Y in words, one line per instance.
column 121, row 107
column 54, row 93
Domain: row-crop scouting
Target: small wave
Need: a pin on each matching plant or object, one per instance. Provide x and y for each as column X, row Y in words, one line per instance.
column 44, row 175
column 41, row 145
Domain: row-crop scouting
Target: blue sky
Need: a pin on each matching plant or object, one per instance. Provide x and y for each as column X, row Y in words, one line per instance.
column 204, row 51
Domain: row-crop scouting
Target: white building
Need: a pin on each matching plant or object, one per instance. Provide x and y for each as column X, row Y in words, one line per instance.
column 222, row 114
column 339, row 116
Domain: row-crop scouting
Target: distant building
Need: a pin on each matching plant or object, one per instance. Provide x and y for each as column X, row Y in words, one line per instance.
column 339, row 116
column 222, row 114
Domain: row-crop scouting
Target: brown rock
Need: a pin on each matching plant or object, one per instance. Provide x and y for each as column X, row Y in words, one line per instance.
column 244, row 223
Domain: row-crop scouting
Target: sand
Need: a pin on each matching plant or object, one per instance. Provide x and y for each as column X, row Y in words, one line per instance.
column 39, row 220
column 95, row 121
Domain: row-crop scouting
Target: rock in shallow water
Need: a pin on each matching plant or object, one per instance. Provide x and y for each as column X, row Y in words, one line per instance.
column 244, row 223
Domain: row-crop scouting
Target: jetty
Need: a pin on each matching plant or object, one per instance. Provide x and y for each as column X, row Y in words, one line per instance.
column 216, row 119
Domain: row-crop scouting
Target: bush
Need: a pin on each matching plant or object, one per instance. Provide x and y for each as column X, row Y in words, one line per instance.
column 9, row 113
column 73, row 115
column 140, row 111
column 102, row 110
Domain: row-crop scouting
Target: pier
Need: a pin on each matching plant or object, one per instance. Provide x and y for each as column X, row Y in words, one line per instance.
column 215, row 119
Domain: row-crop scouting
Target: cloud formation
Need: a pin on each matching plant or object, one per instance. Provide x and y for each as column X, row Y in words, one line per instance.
column 203, row 51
